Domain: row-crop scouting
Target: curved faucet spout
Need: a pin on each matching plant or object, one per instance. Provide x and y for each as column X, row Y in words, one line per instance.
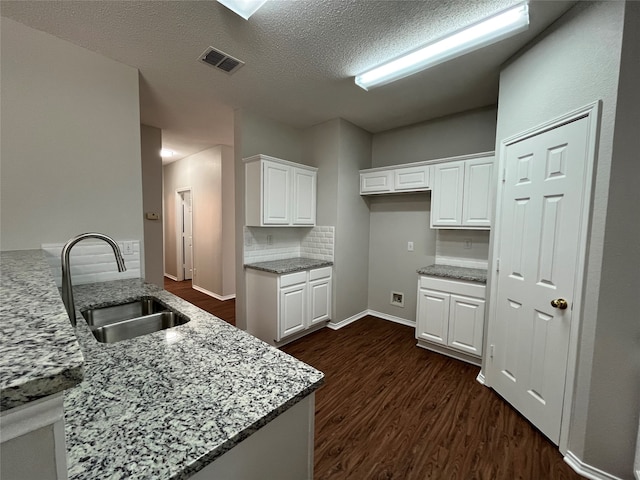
column 67, row 289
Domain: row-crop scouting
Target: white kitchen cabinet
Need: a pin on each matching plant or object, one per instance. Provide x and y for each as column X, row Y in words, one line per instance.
column 376, row 182
column 463, row 194
column 450, row 317
column 304, row 197
column 402, row 179
column 281, row 306
column 279, row 193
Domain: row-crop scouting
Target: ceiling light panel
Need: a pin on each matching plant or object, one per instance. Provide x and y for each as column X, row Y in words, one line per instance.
column 244, row 8
column 481, row 34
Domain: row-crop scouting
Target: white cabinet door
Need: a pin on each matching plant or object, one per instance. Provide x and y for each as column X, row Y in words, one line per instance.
column 478, row 193
column 446, row 200
column 466, row 324
column 376, row 182
column 433, row 316
column 304, row 197
column 293, row 310
column 412, row 178
column 319, row 300
column 276, row 186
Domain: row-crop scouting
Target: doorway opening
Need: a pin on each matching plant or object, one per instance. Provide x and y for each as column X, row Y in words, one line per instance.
column 184, row 234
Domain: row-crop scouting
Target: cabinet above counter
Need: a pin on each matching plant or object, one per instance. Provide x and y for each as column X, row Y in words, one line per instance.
column 279, row 193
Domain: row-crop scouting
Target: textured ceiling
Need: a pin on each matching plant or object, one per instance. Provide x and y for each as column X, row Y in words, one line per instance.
column 301, row 57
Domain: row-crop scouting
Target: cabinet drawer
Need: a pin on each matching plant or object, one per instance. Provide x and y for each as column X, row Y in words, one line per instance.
column 317, row 273
column 454, row 286
column 293, row 279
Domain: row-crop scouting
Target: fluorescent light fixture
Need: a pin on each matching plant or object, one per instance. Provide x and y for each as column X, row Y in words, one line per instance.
column 485, row 32
column 244, row 8
column 166, row 153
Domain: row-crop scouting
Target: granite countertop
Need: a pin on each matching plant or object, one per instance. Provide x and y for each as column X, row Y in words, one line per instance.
column 289, row 265
column 167, row 404
column 458, row 273
column 40, row 353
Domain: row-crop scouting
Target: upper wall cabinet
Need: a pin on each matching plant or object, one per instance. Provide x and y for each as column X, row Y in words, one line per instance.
column 463, row 194
column 416, row 178
column 279, row 193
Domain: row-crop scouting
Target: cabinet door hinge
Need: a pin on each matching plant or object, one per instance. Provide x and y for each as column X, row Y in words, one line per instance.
column 504, row 175
column 498, row 265
column 491, row 349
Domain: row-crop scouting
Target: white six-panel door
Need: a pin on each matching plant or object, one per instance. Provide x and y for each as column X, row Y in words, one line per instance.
column 538, row 248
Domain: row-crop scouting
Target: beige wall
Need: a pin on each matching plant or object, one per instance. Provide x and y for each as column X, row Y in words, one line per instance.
column 460, row 134
column 202, row 173
column 70, row 142
column 576, row 62
column 255, row 134
column 398, row 219
column 228, row 222
column 151, row 141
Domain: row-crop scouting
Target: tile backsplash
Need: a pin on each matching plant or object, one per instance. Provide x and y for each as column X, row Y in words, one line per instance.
column 93, row 262
column 263, row 244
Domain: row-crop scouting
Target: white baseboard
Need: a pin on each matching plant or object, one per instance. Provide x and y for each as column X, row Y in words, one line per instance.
column 587, row 471
column 392, row 318
column 347, row 321
column 211, row 294
column 373, row 313
column 480, row 378
column 171, row 277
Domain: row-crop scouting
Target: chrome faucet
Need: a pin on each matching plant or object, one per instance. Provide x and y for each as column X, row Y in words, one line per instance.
column 67, row 289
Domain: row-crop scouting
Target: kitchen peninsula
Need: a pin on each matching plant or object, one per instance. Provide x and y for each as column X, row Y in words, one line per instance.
column 198, row 400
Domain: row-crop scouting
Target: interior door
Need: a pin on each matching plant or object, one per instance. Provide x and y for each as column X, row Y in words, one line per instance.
column 187, row 236
column 538, row 241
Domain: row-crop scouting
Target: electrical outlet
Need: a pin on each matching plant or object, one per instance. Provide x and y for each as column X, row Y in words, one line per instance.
column 269, row 239
column 128, row 248
column 468, row 243
column 409, row 246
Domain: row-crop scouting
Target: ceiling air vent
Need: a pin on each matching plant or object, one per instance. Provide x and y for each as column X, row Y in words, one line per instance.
column 221, row 60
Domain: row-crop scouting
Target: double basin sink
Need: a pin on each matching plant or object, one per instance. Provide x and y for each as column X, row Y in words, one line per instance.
column 132, row 319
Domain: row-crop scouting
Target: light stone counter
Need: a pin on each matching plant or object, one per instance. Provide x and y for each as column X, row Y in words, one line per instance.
column 456, row 273
column 163, row 405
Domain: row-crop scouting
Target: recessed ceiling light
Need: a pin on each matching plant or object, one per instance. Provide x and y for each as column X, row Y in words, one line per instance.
column 166, row 153
column 485, row 32
column 244, row 8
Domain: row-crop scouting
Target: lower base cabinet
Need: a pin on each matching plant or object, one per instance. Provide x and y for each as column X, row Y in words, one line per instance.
column 281, row 306
column 450, row 317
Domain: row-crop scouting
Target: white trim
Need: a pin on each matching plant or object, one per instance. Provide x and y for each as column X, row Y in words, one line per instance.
column 373, row 313
column 392, row 318
column 592, row 112
column 211, row 294
column 449, row 352
column 586, row 470
column 170, row 277
column 480, row 378
column 462, row 262
column 178, row 232
column 32, row 416
column 347, row 321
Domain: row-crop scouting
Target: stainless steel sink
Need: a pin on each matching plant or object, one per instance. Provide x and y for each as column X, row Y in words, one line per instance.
column 132, row 319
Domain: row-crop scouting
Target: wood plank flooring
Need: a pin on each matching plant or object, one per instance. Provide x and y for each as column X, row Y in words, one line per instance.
column 390, row 410
column 226, row 310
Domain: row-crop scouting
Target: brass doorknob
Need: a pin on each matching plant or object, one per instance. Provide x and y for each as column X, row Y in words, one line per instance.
column 560, row 303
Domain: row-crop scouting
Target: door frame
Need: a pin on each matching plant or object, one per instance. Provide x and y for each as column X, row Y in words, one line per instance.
column 592, row 113
column 178, row 232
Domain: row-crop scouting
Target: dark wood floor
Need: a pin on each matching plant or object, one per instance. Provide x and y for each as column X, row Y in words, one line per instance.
column 226, row 310
column 391, row 410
